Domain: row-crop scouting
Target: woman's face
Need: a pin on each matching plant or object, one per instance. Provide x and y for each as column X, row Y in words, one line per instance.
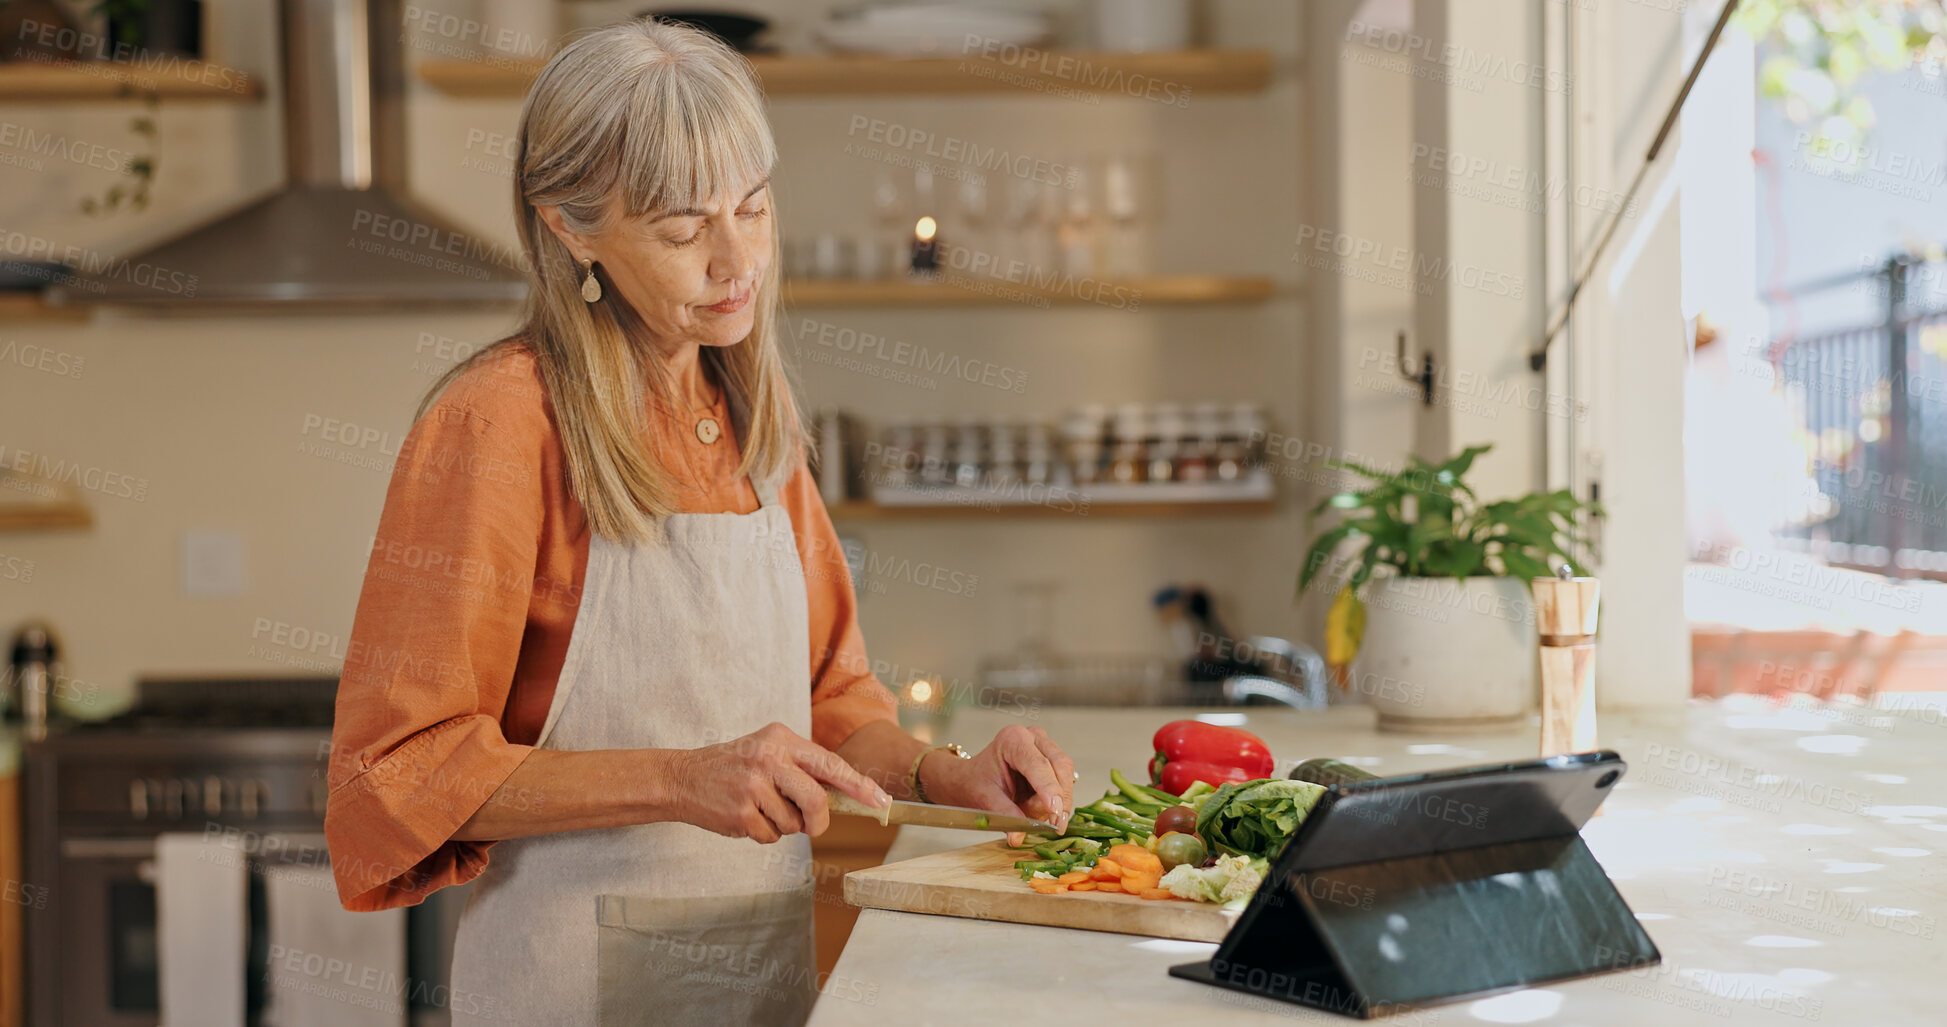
column 690, row 274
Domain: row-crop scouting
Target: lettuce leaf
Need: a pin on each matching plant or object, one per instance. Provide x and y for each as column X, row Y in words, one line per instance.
column 1256, row 818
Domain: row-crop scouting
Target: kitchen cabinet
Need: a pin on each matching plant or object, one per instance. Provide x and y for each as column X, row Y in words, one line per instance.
column 851, row 843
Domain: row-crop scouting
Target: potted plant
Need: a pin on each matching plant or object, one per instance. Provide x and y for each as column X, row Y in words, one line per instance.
column 151, row 26
column 1434, row 599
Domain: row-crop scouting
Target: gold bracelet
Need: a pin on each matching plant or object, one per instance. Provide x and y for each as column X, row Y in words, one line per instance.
column 912, row 776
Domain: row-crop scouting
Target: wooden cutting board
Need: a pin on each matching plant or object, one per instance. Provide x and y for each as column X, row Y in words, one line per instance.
column 980, row 882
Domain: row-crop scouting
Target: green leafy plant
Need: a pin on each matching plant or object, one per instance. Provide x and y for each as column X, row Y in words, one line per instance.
column 140, row 167
column 1424, row 521
column 124, row 18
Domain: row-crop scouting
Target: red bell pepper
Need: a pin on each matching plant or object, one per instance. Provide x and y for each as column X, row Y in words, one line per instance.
column 1191, row 750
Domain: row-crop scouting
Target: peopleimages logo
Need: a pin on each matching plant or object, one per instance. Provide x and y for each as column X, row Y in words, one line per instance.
column 85, row 262
column 907, row 355
column 1041, row 70
column 954, row 150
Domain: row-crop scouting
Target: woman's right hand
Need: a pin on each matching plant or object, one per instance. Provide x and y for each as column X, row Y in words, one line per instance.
column 766, row 785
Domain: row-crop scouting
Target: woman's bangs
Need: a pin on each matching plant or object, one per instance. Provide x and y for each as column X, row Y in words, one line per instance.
column 686, row 145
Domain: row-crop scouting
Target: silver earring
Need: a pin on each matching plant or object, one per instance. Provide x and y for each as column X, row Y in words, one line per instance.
column 591, row 287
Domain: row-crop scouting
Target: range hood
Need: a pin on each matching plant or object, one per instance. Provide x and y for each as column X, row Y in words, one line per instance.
column 342, row 232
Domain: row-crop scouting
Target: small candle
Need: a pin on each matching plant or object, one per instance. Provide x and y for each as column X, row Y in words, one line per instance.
column 926, row 248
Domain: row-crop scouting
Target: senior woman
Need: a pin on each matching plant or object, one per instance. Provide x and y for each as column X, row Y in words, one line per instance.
column 606, row 659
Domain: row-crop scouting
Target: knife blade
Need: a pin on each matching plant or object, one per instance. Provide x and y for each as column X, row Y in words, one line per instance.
column 926, row 814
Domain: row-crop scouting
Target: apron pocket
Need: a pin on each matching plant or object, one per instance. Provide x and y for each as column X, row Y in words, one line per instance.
column 707, row 960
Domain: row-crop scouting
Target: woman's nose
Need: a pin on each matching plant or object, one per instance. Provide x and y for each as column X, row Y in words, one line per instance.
column 735, row 258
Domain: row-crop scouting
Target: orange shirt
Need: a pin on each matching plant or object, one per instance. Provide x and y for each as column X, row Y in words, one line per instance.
column 468, row 603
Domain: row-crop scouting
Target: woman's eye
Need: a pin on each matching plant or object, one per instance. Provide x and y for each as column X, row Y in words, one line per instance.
column 753, row 215
column 685, row 242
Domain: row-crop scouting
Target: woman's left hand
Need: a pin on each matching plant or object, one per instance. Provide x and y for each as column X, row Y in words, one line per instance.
column 1022, row 771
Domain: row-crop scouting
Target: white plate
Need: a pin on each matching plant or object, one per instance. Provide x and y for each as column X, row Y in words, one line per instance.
column 931, row 29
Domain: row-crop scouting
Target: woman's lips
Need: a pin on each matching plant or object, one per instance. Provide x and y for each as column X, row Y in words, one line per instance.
column 731, row 305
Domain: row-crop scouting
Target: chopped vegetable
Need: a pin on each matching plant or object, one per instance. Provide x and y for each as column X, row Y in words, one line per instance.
column 1175, row 849
column 1157, row 893
column 1073, row 877
column 1177, row 818
column 1106, row 869
column 1206, row 752
column 1231, row 880
column 1255, row 818
column 1194, row 795
column 1084, row 886
column 1047, row 887
column 1133, row 883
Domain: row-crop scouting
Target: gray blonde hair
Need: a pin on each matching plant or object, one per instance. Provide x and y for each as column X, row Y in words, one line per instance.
column 667, row 118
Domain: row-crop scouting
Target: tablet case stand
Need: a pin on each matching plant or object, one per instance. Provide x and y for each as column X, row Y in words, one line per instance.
column 1367, row 939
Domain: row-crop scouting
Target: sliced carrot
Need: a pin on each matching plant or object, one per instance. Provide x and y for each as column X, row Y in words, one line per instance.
column 1157, row 893
column 1133, row 882
column 1047, row 887
column 1073, row 876
column 1135, row 857
column 1085, row 886
column 1105, row 870
column 1108, row 886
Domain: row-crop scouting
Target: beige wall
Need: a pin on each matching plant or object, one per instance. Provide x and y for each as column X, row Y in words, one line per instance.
column 212, row 411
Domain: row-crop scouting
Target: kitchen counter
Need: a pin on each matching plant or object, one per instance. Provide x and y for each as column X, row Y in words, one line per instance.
column 1785, row 862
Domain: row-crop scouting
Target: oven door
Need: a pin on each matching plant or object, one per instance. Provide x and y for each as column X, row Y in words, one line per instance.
column 107, row 973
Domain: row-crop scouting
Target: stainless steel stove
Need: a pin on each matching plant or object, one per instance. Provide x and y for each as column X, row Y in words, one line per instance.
column 244, row 755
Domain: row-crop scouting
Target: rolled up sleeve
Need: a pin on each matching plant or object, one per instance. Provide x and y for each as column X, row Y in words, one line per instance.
column 845, row 694
column 417, row 743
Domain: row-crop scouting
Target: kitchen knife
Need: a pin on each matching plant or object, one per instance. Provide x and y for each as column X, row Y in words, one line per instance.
column 924, row 814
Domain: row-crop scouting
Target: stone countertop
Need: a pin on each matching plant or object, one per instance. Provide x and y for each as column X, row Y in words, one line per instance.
column 1784, row 860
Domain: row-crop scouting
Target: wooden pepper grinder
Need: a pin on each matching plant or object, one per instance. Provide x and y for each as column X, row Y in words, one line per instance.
column 1565, row 613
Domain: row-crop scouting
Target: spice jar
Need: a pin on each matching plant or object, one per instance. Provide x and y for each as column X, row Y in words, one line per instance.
column 967, row 454
column 1082, row 441
column 1037, row 460
column 898, row 462
column 1003, row 466
column 1162, row 444
column 933, row 455
column 1128, row 462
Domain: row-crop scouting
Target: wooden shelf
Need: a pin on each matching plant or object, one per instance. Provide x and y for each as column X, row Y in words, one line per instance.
column 170, row 78
column 967, row 290
column 1161, row 77
column 42, row 505
column 45, row 517
column 28, row 306
column 863, row 510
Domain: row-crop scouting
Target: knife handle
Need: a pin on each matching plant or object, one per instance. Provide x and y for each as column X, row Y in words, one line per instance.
column 845, row 804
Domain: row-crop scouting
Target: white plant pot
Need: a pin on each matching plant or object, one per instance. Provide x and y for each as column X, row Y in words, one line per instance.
column 1446, row 654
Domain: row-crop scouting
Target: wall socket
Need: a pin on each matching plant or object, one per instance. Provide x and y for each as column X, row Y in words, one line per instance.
column 212, row 564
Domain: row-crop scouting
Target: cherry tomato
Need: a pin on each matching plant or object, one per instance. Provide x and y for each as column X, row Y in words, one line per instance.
column 1176, row 818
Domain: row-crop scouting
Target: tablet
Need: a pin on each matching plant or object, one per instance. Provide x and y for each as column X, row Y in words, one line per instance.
column 1406, row 891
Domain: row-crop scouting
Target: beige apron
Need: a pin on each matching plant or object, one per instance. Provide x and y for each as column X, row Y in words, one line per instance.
column 695, row 641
